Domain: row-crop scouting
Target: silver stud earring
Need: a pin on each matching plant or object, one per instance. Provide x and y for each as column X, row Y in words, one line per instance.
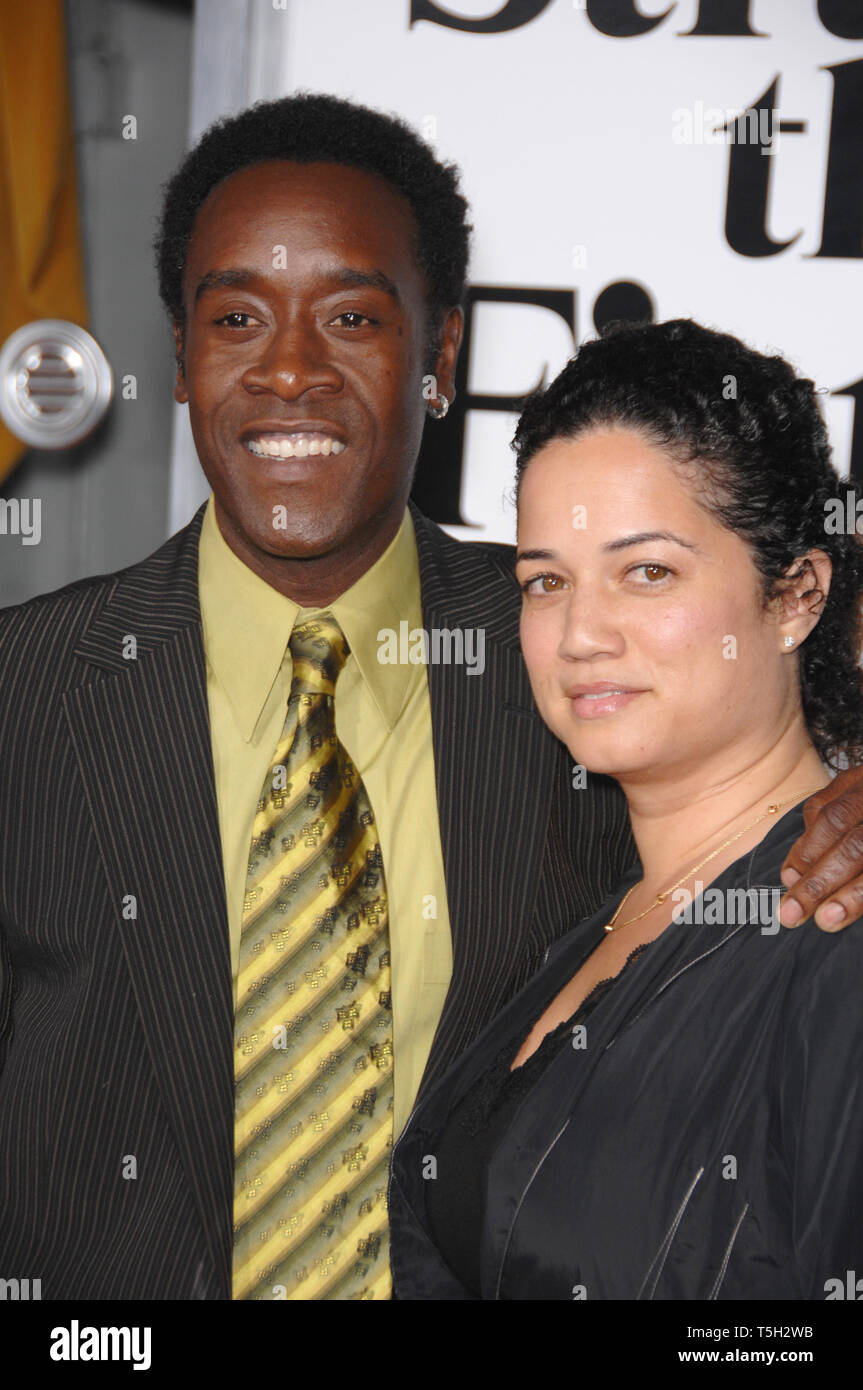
column 437, row 412
column 789, row 641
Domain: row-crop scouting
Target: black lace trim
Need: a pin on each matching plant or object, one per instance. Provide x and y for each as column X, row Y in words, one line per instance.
column 499, row 1085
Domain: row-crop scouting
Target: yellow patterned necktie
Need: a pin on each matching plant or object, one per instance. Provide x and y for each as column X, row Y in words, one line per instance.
column 313, row 1045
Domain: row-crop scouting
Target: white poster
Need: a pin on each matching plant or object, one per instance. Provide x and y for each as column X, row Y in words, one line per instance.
column 698, row 158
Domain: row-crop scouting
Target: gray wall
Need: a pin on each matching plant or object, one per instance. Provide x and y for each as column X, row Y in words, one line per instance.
column 105, row 503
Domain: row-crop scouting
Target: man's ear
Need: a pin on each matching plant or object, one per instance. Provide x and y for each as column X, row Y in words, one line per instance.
column 804, row 594
column 181, row 395
column 450, row 338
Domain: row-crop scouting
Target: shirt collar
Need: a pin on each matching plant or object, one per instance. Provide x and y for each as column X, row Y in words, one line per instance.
column 247, row 623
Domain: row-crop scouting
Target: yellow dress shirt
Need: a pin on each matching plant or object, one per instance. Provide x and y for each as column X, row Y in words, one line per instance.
column 383, row 718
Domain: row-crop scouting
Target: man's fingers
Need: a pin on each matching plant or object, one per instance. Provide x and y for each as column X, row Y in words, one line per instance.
column 832, row 888
column 843, row 909
column 815, row 803
column 834, row 822
column 838, row 912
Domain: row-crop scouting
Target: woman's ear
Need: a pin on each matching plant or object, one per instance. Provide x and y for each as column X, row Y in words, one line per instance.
column 803, row 594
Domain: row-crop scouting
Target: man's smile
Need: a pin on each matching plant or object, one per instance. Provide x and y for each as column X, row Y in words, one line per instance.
column 299, row 444
column 283, row 439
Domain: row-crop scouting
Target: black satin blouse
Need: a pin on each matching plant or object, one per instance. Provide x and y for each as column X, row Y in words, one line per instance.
column 705, row 1143
column 455, row 1201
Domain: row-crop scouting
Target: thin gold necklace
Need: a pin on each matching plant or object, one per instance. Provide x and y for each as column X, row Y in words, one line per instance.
column 774, row 806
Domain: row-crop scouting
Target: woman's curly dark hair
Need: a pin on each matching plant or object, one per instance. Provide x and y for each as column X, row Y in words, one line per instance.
column 312, row 127
column 754, row 435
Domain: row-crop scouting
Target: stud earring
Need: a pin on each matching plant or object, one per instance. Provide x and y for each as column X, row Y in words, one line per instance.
column 437, row 412
column 789, row 641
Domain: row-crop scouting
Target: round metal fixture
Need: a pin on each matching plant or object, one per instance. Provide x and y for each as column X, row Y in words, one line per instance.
column 55, row 384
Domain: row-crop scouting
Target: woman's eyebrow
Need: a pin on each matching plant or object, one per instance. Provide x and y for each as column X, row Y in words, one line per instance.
column 640, row 537
column 536, row 555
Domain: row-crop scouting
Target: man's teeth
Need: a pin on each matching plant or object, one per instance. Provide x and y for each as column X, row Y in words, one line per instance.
column 601, row 694
column 296, row 446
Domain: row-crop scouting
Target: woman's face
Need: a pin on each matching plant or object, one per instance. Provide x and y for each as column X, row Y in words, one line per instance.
column 643, row 627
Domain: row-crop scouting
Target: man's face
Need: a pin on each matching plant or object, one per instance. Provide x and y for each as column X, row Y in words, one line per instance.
column 305, row 339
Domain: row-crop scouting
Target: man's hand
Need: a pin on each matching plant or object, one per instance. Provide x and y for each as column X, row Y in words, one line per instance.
column 825, row 866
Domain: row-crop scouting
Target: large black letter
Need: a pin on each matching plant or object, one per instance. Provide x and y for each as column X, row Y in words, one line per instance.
column 748, row 184
column 844, row 18
column 514, row 15
column 437, row 485
column 855, row 391
column 620, row 19
column 842, row 230
column 624, row 301
column 723, row 19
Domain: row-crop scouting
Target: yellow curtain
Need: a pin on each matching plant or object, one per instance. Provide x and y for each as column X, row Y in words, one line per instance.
column 41, row 267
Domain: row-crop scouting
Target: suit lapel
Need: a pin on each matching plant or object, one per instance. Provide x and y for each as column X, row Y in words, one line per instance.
column 491, row 753
column 140, row 731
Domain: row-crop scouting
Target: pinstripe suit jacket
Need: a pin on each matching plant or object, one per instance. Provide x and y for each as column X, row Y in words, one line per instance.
column 116, row 1027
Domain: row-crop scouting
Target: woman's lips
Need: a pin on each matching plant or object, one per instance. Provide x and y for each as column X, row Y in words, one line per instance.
column 596, row 704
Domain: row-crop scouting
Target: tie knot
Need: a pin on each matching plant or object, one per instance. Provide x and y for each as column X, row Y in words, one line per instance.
column 319, row 650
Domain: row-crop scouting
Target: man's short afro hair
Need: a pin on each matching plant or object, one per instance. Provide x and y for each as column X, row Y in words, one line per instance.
column 316, row 128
